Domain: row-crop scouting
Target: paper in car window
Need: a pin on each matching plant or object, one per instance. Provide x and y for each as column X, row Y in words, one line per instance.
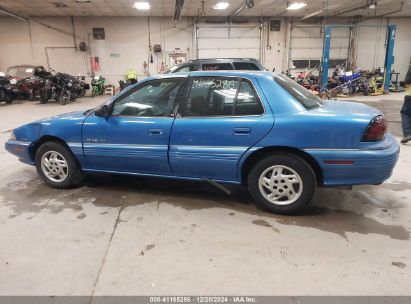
column 29, row 70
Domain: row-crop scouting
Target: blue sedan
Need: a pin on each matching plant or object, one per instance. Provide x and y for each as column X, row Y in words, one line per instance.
column 259, row 129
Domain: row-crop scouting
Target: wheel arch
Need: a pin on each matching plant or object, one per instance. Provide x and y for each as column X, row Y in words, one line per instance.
column 255, row 156
column 50, row 138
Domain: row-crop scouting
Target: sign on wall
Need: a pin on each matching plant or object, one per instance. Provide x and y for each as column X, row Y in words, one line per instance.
column 95, row 64
column 98, row 33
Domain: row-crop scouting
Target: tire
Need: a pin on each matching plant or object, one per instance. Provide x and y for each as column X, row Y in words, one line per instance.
column 366, row 91
column 303, row 191
column 8, row 98
column 44, row 96
column 73, row 175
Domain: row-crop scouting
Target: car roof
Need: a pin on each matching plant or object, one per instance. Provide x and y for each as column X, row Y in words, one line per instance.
column 221, row 73
column 23, row 66
column 222, row 59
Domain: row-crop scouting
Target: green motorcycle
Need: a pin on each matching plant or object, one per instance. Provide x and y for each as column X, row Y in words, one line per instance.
column 97, row 85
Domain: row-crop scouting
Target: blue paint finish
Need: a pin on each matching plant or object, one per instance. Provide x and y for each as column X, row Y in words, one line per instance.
column 210, row 147
column 127, row 144
column 326, row 57
column 217, row 147
column 374, row 164
column 21, row 149
column 389, row 55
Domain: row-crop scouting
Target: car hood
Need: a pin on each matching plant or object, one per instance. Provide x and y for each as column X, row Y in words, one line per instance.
column 354, row 109
column 75, row 116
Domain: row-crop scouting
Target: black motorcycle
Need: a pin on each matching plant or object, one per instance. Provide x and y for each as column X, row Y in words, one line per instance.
column 58, row 87
column 6, row 93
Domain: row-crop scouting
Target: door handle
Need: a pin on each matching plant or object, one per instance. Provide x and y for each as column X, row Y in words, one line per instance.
column 155, row 132
column 242, row 131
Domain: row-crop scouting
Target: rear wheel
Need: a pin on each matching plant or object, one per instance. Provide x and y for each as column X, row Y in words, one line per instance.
column 45, row 95
column 282, row 183
column 57, row 166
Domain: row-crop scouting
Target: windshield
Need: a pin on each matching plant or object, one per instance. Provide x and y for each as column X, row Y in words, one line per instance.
column 20, row 71
column 303, row 96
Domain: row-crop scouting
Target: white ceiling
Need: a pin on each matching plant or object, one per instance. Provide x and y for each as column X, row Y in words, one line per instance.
column 193, row 7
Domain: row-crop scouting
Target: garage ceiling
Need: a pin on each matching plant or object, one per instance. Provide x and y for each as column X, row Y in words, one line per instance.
column 392, row 8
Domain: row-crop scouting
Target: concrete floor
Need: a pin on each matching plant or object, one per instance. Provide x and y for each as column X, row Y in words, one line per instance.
column 135, row 236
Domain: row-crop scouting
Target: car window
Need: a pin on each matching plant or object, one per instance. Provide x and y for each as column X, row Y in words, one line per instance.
column 301, row 94
column 247, row 102
column 216, row 66
column 186, row 68
column 20, row 71
column 221, row 96
column 246, row 66
column 153, row 98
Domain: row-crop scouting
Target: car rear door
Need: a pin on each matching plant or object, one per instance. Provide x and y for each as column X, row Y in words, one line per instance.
column 219, row 119
column 134, row 137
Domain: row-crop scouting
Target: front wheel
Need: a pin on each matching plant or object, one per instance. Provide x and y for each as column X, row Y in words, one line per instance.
column 57, row 166
column 282, row 183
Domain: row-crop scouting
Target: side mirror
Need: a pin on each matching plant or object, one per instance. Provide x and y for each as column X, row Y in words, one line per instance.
column 102, row 111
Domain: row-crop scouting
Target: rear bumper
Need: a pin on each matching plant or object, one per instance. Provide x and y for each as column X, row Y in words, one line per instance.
column 21, row 149
column 370, row 165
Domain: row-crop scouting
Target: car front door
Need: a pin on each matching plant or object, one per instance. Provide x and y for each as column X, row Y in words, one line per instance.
column 134, row 137
column 219, row 119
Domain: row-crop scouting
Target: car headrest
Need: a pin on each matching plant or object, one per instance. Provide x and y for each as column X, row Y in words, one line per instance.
column 198, row 105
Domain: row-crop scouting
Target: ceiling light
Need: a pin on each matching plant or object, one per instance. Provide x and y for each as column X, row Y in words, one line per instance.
column 296, row 5
column 372, row 4
column 142, row 6
column 221, row 6
column 313, row 14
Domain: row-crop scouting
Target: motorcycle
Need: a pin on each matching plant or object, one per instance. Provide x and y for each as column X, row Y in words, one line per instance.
column 58, row 87
column 6, row 93
column 346, row 83
column 97, row 84
column 29, row 87
column 78, row 86
column 82, row 86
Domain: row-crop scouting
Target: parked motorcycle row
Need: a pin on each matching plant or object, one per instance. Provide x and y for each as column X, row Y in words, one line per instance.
column 45, row 86
column 345, row 83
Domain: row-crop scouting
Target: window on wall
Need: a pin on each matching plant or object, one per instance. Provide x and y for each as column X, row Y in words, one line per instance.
column 221, row 96
column 153, row 98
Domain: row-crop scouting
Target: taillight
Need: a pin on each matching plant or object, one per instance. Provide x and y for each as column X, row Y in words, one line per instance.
column 376, row 129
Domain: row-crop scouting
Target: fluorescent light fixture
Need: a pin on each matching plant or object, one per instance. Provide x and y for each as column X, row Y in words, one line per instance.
column 313, row 14
column 372, row 6
column 221, row 6
column 296, row 5
column 144, row 6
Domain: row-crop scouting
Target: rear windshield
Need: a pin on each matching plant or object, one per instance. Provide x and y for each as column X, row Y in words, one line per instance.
column 304, row 96
column 246, row 66
column 216, row 66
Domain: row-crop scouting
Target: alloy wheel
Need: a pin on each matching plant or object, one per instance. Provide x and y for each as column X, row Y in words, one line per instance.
column 280, row 185
column 54, row 166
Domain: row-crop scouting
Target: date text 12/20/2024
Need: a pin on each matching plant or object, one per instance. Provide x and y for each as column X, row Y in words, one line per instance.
column 203, row 299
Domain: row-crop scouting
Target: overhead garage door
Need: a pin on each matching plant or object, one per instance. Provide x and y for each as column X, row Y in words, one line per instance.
column 224, row 41
column 306, row 45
